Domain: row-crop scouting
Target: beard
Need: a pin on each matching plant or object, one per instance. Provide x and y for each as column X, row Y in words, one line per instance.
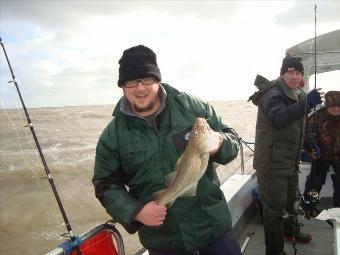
column 147, row 108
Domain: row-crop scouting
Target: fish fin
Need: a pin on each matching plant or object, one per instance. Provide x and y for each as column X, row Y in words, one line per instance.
column 170, row 177
column 179, row 160
column 170, row 203
column 157, row 194
column 204, row 164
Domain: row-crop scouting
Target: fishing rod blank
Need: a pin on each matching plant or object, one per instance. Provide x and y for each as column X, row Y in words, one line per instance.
column 47, row 170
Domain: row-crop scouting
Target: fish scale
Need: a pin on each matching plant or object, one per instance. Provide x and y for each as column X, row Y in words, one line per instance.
column 192, row 164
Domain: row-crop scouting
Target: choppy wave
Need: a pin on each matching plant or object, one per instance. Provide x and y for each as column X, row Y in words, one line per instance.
column 67, row 135
column 30, row 219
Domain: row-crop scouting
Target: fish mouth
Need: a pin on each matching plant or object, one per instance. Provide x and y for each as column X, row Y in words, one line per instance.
column 210, row 139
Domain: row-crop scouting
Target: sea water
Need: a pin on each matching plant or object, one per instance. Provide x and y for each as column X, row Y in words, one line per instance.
column 30, row 220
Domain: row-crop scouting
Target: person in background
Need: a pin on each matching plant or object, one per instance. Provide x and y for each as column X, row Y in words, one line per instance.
column 322, row 141
column 141, row 145
column 279, row 131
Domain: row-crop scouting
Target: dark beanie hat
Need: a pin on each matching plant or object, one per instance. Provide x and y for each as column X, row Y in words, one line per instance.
column 291, row 62
column 138, row 62
column 332, row 98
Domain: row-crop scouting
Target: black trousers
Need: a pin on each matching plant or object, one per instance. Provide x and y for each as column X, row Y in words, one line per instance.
column 224, row 245
column 317, row 178
column 279, row 195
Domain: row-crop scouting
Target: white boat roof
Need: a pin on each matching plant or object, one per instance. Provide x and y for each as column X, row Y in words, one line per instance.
column 328, row 53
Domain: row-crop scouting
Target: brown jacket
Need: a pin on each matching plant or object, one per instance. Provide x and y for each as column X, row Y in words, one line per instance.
column 327, row 133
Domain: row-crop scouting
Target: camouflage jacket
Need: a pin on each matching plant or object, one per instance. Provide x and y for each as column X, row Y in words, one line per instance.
column 325, row 128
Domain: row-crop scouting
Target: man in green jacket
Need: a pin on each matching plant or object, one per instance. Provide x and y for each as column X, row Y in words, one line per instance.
column 279, row 131
column 141, row 145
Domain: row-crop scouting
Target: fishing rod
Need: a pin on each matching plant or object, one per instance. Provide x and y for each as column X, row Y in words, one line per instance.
column 315, row 63
column 75, row 240
column 313, row 194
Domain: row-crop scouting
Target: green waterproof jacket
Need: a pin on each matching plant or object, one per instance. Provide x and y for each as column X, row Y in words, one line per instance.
column 279, row 127
column 132, row 160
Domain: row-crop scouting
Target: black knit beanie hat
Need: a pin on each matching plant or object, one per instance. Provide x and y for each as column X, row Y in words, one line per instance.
column 138, row 62
column 291, row 62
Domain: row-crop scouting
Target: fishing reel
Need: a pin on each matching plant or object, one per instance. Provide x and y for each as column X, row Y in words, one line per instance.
column 308, row 204
column 312, row 197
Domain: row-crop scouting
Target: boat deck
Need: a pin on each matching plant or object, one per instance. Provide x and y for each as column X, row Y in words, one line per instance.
column 322, row 232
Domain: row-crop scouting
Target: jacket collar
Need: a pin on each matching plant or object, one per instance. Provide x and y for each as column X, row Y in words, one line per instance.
column 263, row 86
column 288, row 92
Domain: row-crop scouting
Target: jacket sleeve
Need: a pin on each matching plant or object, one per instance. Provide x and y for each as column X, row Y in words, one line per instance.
column 278, row 111
column 229, row 148
column 110, row 184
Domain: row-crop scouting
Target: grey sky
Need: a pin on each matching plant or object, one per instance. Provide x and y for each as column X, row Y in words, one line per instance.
column 66, row 52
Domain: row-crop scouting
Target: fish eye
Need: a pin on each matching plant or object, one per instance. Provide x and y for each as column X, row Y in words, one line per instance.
column 196, row 134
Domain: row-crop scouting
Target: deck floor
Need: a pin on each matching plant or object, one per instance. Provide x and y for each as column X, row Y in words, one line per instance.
column 322, row 232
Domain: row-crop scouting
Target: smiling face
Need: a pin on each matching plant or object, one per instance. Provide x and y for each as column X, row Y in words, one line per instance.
column 143, row 98
column 334, row 110
column 292, row 78
column 332, row 101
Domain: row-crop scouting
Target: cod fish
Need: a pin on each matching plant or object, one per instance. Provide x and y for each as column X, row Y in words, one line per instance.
column 191, row 165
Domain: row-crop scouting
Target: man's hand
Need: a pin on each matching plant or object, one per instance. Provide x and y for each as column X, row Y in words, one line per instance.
column 310, row 154
column 314, row 154
column 152, row 214
column 314, row 97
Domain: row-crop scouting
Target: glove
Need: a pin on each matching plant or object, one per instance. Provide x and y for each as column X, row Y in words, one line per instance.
column 304, row 156
column 316, row 151
column 307, row 155
column 313, row 98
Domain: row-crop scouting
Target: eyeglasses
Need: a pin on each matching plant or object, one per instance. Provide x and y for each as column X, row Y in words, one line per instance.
column 144, row 81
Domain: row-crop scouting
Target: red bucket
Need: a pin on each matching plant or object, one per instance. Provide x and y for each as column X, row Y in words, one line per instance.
column 99, row 244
